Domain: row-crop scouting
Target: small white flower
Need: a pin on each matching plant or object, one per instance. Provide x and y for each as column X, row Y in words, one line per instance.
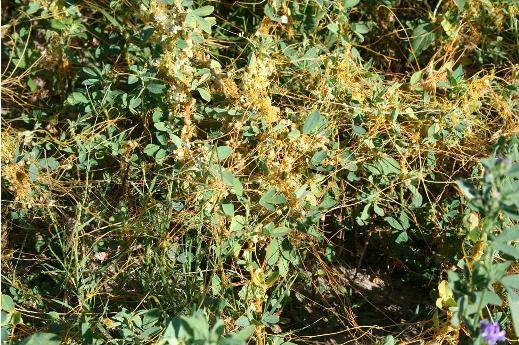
column 284, row 19
column 101, row 256
column 161, row 18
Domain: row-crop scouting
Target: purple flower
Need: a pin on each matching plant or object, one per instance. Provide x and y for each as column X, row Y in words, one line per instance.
column 491, row 332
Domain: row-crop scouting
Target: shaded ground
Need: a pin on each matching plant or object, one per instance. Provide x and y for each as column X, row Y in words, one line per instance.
column 378, row 303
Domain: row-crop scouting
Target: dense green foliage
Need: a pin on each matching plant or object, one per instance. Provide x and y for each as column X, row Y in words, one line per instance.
column 271, row 172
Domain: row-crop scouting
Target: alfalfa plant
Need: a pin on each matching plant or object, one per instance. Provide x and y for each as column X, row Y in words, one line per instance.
column 482, row 279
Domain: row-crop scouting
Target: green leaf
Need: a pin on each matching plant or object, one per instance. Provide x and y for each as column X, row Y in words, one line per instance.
column 228, row 209
column 402, row 237
column 417, row 200
column 492, row 298
column 279, row 231
column 242, row 321
column 216, row 284
column 156, row 88
column 417, row 197
column 283, row 266
column 203, row 11
column 205, row 94
column 394, row 223
column 507, row 249
column 161, row 126
column 91, row 72
column 238, row 187
column 48, row 163
column 33, row 8
column 176, row 140
column 511, row 281
column 240, row 337
column 7, row 303
column 433, row 130
column 273, row 253
column 314, row 123
column 41, row 338
column 88, row 82
column 223, row 152
column 79, row 97
column 151, row 149
column 177, row 205
column 301, row 192
column 294, row 135
column 416, row 77
column 350, row 3
column 457, row 75
column 157, row 115
column 333, row 27
column 272, row 278
column 227, row 177
column 57, row 24
column 461, row 4
column 422, row 38
column 252, row 60
column 348, row 161
column 467, row 188
column 389, row 165
column 318, row 158
column 365, row 213
column 230, row 180
column 513, row 303
column 513, row 171
column 132, row 79
column 509, row 234
column 270, row 319
column 34, row 172
column 309, row 60
column 32, row 85
column 205, row 24
column 378, row 210
column 389, row 340
column 237, row 223
column 162, row 138
column 160, row 155
column 134, row 103
column 271, row 198
column 358, row 130
column 481, row 301
column 360, row 28
column 110, row 18
column 16, row 318
column 511, row 212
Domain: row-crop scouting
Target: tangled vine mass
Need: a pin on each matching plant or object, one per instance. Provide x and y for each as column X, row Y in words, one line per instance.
column 260, row 172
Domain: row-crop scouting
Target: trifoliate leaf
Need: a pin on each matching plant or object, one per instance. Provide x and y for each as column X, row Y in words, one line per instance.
column 271, row 199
